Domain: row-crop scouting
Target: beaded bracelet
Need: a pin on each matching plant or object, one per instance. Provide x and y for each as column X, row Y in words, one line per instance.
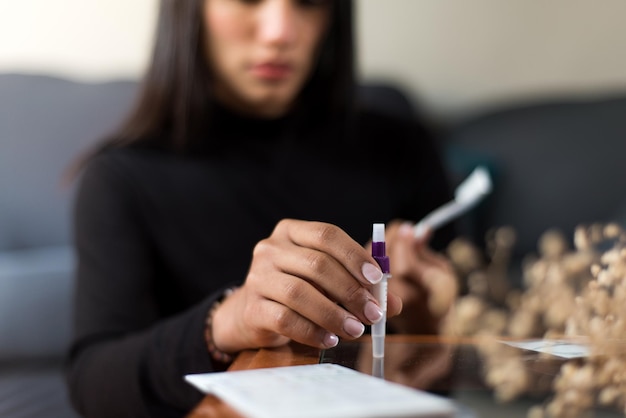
column 215, row 352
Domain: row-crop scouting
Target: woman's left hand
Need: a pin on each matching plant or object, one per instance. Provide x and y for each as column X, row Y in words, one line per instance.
column 425, row 280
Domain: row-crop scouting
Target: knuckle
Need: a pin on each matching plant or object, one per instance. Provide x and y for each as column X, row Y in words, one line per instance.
column 295, row 290
column 326, row 233
column 355, row 293
column 283, row 225
column 262, row 248
column 352, row 253
column 317, row 263
column 332, row 318
column 283, row 321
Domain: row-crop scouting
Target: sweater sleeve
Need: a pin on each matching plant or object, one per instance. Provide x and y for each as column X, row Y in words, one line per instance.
column 126, row 360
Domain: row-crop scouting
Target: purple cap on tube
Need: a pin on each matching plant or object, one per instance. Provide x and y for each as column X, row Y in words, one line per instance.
column 379, row 249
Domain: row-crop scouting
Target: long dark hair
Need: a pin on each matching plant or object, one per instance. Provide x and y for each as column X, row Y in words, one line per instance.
column 175, row 100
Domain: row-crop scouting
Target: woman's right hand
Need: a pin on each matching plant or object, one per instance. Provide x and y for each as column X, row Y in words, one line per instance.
column 308, row 282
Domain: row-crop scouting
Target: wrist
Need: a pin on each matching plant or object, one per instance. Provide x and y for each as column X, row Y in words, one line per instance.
column 216, row 353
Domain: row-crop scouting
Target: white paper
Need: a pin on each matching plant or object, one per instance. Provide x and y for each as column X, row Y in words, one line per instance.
column 559, row 348
column 318, row 390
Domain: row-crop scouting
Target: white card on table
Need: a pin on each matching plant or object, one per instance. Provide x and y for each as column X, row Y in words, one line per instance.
column 318, row 390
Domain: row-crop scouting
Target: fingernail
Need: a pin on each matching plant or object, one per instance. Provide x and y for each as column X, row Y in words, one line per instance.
column 406, row 229
column 373, row 312
column 372, row 273
column 330, row 340
column 353, row 327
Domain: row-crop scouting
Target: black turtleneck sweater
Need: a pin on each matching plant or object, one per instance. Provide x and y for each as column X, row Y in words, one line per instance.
column 159, row 236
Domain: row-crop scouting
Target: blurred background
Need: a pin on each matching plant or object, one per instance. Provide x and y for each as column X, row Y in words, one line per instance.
column 534, row 90
column 456, row 57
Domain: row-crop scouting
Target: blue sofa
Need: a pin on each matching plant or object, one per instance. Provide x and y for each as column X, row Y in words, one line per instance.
column 45, row 123
column 556, row 164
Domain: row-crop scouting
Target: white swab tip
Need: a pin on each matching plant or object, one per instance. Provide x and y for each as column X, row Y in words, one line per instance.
column 476, row 185
column 378, row 233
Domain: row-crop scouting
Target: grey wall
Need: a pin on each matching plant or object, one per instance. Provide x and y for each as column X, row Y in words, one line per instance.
column 456, row 56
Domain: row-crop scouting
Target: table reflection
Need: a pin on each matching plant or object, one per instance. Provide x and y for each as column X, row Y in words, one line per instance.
column 457, row 369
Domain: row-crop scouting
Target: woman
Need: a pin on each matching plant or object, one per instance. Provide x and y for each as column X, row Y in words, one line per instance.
column 245, row 165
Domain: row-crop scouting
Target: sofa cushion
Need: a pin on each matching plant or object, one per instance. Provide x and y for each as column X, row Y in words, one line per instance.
column 557, row 164
column 45, row 122
column 34, row 390
column 35, row 303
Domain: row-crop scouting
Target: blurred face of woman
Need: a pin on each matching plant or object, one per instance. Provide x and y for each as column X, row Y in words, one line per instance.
column 262, row 52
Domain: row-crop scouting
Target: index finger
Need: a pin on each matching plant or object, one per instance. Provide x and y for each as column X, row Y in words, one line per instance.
column 335, row 242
